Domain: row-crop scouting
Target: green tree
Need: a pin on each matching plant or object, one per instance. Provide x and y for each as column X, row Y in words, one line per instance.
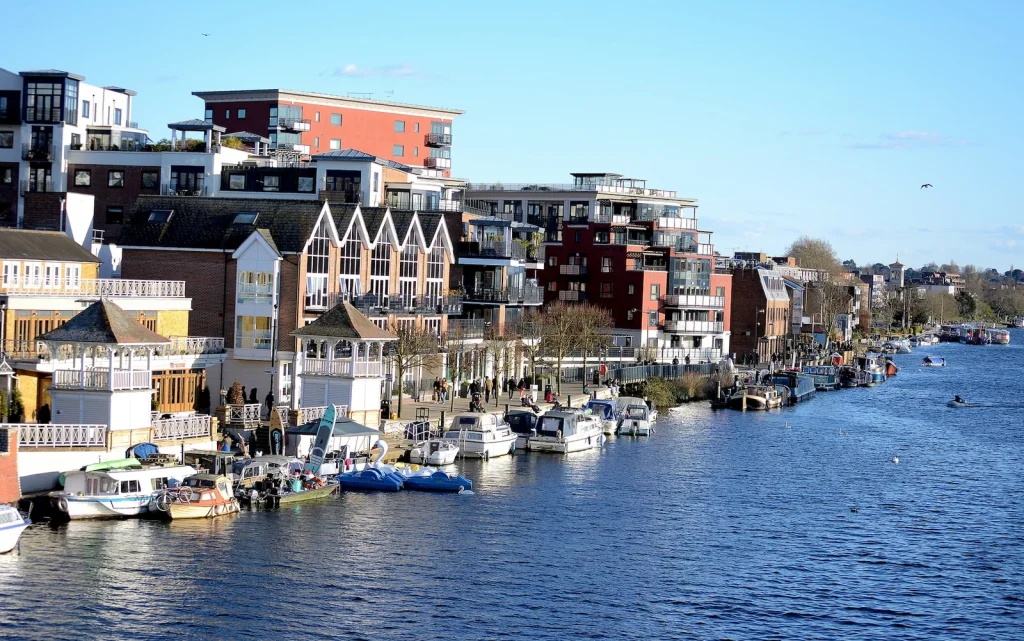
column 966, row 305
column 16, row 412
column 232, row 143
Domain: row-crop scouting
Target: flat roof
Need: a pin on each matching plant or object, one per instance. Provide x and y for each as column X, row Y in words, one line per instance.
column 265, row 94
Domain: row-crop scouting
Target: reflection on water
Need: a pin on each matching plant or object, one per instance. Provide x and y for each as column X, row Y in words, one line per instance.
column 723, row 525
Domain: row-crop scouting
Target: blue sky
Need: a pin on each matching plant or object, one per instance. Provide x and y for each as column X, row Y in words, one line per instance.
column 782, row 118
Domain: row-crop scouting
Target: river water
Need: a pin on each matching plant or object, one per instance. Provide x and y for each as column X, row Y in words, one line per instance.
column 722, row 526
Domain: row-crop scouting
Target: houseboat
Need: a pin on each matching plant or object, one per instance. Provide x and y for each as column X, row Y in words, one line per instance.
column 974, row 336
column 826, row 377
column 756, row 397
column 115, row 493
column 200, row 496
column 801, row 386
column 848, row 376
column 481, row 435
column 566, row 431
column 997, row 336
column 873, row 367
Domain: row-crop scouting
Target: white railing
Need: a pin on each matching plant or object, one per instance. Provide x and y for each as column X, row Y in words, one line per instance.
column 93, row 287
column 615, row 219
column 253, row 340
column 193, row 345
column 37, row 435
column 255, row 292
column 246, row 414
column 182, row 427
column 706, row 249
column 100, row 379
column 572, row 270
column 695, row 300
column 310, row 414
column 693, row 326
column 324, row 367
column 368, row 368
column 677, row 222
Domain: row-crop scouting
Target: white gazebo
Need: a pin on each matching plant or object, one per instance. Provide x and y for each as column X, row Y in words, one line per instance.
column 341, row 362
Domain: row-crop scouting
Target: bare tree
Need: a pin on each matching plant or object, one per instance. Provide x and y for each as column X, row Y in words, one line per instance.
column 414, row 345
column 593, row 323
column 815, row 253
column 503, row 344
column 559, row 324
column 528, row 331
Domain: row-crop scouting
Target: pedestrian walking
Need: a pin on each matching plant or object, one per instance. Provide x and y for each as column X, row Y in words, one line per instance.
column 522, row 387
column 437, row 389
column 487, row 390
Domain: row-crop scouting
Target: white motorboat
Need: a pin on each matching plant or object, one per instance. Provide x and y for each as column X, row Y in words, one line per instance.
column 933, row 361
column 523, row 424
column 12, row 524
column 636, row 421
column 997, row 336
column 606, row 411
column 566, row 431
column 116, row 493
column 481, row 435
column 434, row 452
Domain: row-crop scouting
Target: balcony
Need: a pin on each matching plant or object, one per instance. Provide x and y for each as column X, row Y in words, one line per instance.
column 293, row 124
column 572, row 270
column 343, row 367
column 572, row 296
column 465, row 329
column 243, row 415
column 93, row 287
column 527, row 295
column 37, row 435
column 676, row 222
column 344, row 196
column 258, row 339
column 695, row 301
column 693, row 326
column 182, row 427
column 255, row 293
column 608, row 218
column 36, row 186
column 36, row 152
column 438, row 163
column 175, row 190
column 192, row 346
column 706, row 249
column 101, row 379
column 439, row 140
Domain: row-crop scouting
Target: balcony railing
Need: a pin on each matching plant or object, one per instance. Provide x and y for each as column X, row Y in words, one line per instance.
column 345, row 196
column 439, row 140
column 93, row 287
column 706, row 249
column 696, row 301
column 36, row 152
column 370, row 304
column 603, row 189
column 609, row 218
column 512, row 249
column 37, row 186
column 676, row 222
column 99, row 379
column 293, row 124
column 694, row 326
column 311, row 414
column 254, row 293
column 77, row 435
column 572, row 295
column 259, row 339
column 528, row 295
column 341, row 367
column 244, row 415
column 169, row 190
column 180, row 428
column 465, row 328
column 438, row 163
column 192, row 346
column 572, row 270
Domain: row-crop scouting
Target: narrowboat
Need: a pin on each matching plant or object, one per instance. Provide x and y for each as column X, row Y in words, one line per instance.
column 826, row 377
column 115, row 493
column 801, row 386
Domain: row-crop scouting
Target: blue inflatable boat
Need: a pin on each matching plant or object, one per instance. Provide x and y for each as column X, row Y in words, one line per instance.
column 439, row 482
column 371, row 480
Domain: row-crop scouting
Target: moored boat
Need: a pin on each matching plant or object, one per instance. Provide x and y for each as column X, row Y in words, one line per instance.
column 826, row 377
column 636, row 421
column 566, row 431
column 481, row 435
column 523, row 424
column 434, row 452
column 891, row 368
column 437, row 481
column 933, row 361
column 200, row 496
column 997, row 336
column 756, row 397
column 118, row 492
column 372, row 479
column 606, row 411
column 801, row 386
column 848, row 376
column 12, row 524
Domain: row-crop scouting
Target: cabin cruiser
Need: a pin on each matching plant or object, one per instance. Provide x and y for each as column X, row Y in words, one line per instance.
column 756, row 397
column 115, row 493
column 826, row 377
column 523, row 424
column 566, row 431
column 848, row 376
column 606, row 411
column 997, row 336
column 1018, row 322
column 801, row 386
column 873, row 366
column 636, row 421
column 623, row 402
column 481, row 435
column 434, row 452
column 200, row 496
column 933, row 361
column 12, row 524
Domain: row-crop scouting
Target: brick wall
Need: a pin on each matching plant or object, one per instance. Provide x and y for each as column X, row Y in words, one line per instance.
column 107, row 196
column 43, row 210
column 209, row 281
column 288, row 312
column 10, row 486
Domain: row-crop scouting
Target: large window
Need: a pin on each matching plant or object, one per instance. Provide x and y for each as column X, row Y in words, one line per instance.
column 6, row 139
column 400, row 126
column 380, row 270
column 208, row 116
column 43, row 101
column 336, row 119
column 255, row 287
column 435, row 275
column 335, row 143
column 4, row 106
column 115, row 178
column 252, row 332
column 606, row 290
column 606, row 264
column 351, row 267
column 150, row 179
column 71, row 102
column 408, row 271
column 317, row 264
column 83, row 177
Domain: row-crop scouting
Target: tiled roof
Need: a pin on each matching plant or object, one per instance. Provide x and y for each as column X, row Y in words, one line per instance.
column 343, row 213
column 373, row 218
column 105, row 323
column 402, row 219
column 208, row 223
column 267, row 236
column 27, row 244
column 248, row 136
column 195, row 124
column 429, row 224
column 344, row 321
column 355, row 155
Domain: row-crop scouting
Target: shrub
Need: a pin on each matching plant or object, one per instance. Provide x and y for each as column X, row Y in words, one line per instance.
column 235, row 396
column 16, row 413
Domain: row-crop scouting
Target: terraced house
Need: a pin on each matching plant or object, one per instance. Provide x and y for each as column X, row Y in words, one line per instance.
column 261, row 268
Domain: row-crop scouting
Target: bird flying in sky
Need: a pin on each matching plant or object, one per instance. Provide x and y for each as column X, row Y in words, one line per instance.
column 926, row 185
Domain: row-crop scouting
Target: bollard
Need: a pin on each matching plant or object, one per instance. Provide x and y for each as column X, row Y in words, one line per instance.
column 506, row 409
column 442, row 420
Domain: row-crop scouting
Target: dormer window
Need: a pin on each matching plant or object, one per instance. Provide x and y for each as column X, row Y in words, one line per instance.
column 245, row 218
column 160, row 216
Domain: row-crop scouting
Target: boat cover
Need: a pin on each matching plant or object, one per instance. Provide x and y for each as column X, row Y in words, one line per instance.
column 141, row 451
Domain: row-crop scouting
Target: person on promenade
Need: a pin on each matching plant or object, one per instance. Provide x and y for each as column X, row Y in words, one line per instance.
column 444, row 390
column 496, row 388
column 522, row 387
column 487, row 390
column 437, row 389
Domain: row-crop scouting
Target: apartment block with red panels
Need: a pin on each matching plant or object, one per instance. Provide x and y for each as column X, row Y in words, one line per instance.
column 638, row 251
column 312, row 123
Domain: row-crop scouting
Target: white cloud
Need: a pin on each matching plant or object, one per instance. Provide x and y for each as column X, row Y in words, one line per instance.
column 907, row 140
column 402, row 70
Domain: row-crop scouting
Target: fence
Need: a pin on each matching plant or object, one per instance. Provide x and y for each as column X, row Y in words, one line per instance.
column 182, row 427
column 37, row 435
column 100, row 379
column 247, row 414
column 44, row 285
column 638, row 373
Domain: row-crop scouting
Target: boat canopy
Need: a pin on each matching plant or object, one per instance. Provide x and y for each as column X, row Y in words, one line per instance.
column 636, row 412
column 475, row 422
column 521, row 421
column 552, row 422
column 602, row 408
column 141, row 451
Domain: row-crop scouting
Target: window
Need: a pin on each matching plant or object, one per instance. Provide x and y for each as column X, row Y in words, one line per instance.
column 3, row 107
column 115, row 215
column 160, row 216
column 85, row 108
column 552, row 261
column 227, row 114
column 631, row 289
column 351, row 267
column 606, row 264
column 208, row 116
column 6, row 176
column 252, row 332
column 115, row 178
column 6, row 139
column 271, row 183
column 150, row 179
column 117, row 116
column 10, row 273
column 71, row 102
column 76, row 141
column 317, row 266
column 652, row 320
column 606, row 290
column 400, row 126
column 306, row 184
column 408, row 273
column 719, row 291
column 376, row 182
column 316, row 116
column 236, row 182
column 552, row 285
column 416, row 127
column 43, row 101
column 415, row 152
column 398, row 150
column 579, row 237
column 83, row 177
column 316, row 142
column 245, row 218
column 336, row 119
column 380, row 270
column 273, row 116
column 629, row 314
column 241, row 114
column 435, row 275
column 335, row 143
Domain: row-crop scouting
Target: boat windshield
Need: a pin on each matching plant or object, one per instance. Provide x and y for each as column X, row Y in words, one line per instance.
column 548, row 425
column 521, row 422
column 601, row 410
column 636, row 412
column 194, row 482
